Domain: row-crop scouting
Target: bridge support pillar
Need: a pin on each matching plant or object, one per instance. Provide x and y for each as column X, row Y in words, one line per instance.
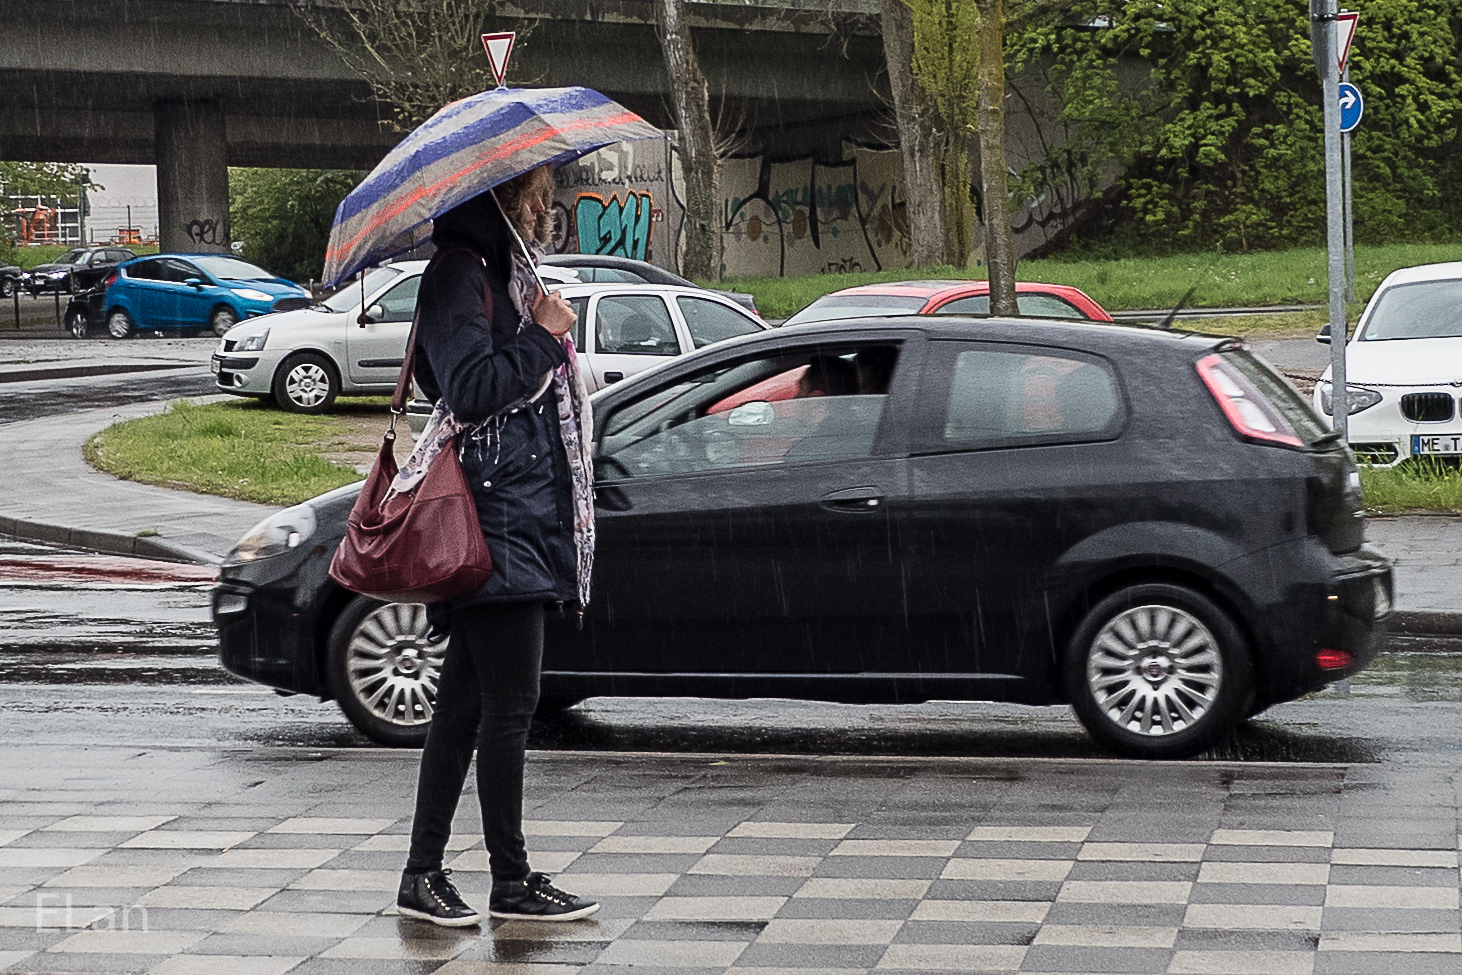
column 192, row 176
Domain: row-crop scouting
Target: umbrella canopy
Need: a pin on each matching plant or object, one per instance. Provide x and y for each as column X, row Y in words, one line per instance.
column 466, row 148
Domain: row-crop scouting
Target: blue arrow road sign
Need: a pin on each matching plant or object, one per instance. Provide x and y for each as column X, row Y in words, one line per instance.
column 1352, row 107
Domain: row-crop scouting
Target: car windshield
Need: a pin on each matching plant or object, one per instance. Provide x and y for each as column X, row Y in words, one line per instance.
column 232, row 268
column 71, row 257
column 853, row 306
column 1425, row 310
column 347, row 296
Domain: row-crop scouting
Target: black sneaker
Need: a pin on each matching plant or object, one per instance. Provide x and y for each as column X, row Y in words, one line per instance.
column 431, row 897
column 535, row 899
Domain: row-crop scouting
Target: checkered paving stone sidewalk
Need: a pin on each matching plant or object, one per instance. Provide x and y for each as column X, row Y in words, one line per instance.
column 747, row 866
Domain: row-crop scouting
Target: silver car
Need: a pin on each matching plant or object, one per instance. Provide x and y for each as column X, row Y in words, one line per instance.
column 304, row 359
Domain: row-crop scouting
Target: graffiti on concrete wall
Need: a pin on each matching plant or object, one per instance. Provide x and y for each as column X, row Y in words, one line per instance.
column 805, row 217
column 608, row 202
column 618, row 225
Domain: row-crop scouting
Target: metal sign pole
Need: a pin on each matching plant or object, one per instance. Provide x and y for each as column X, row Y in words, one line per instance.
column 1349, row 219
column 1322, row 40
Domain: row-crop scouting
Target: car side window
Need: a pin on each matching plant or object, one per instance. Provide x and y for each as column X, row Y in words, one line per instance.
column 399, row 303
column 972, row 305
column 612, row 275
column 1035, row 305
column 711, row 321
column 1004, row 396
column 179, row 271
column 635, row 325
column 792, row 406
column 581, row 312
column 145, row 271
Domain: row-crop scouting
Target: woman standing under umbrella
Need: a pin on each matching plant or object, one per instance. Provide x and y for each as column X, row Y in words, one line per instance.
column 491, row 353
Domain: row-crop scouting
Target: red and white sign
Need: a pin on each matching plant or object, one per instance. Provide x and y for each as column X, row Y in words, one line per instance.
column 499, row 49
column 1344, row 33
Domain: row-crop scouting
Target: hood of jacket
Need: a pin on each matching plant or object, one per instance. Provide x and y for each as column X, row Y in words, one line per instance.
column 478, row 224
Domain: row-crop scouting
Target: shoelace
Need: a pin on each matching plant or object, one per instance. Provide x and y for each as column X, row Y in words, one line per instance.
column 549, row 892
column 444, row 874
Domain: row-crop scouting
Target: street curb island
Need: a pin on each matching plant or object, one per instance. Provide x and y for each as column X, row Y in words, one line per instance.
column 107, row 542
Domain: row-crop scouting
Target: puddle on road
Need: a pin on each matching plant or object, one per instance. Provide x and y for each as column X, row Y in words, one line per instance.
column 1414, row 676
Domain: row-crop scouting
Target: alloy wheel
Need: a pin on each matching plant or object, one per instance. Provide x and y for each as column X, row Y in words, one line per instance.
column 392, row 668
column 1154, row 670
column 119, row 324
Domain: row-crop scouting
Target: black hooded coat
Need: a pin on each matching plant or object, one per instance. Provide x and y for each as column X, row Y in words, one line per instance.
column 470, row 353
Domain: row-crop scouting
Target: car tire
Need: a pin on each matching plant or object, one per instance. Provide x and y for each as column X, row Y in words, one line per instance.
column 222, row 319
column 77, row 325
column 383, row 671
column 120, row 324
column 306, row 383
column 7, row 287
column 1158, row 671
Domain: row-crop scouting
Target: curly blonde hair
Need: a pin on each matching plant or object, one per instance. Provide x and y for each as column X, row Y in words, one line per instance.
column 512, row 193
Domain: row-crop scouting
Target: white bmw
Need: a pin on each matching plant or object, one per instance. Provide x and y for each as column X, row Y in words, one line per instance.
column 1403, row 368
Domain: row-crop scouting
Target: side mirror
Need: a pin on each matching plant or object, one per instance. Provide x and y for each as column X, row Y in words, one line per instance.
column 371, row 315
column 1324, row 337
column 194, row 282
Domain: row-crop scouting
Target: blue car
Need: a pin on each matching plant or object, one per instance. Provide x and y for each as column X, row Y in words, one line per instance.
column 190, row 292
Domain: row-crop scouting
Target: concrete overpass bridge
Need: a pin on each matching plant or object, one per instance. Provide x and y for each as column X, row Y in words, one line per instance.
column 195, row 86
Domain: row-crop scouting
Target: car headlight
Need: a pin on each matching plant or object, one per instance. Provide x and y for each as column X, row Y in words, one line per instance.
column 253, row 343
column 279, row 533
column 251, row 294
column 1357, row 398
column 53, row 275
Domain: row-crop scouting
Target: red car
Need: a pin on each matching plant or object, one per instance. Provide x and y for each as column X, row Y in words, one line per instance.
column 951, row 298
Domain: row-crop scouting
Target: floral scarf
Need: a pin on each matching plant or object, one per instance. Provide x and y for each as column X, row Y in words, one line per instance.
column 575, row 425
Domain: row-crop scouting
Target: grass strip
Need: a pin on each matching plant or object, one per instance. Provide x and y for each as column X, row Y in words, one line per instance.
column 1289, row 277
column 243, row 450
column 1424, row 484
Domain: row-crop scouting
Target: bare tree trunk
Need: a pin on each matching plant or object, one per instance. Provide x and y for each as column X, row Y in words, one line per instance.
column 999, row 241
column 697, row 144
column 918, row 139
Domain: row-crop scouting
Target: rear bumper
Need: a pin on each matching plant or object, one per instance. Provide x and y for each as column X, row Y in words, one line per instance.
column 1345, row 604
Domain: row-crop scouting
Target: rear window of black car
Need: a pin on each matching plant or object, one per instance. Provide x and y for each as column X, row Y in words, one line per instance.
column 987, row 396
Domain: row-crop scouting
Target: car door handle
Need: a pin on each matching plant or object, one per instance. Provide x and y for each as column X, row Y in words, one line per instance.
column 854, row 499
column 611, row 498
column 612, row 377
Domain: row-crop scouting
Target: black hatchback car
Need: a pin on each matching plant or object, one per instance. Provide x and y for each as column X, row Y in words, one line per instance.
column 76, row 270
column 1152, row 527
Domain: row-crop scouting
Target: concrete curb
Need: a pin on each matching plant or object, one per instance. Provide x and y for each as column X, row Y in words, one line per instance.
column 109, row 543
column 77, row 372
column 1426, row 623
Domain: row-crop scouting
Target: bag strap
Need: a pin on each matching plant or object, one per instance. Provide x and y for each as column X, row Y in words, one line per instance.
column 403, row 380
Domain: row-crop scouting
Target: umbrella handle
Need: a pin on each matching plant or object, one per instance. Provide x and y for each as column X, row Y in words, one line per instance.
column 542, row 288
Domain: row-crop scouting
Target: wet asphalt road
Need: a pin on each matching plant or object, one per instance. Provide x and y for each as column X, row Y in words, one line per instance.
column 85, row 660
column 123, row 658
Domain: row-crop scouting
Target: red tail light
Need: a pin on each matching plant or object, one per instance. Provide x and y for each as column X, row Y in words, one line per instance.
column 1334, row 659
column 110, row 278
column 1251, row 415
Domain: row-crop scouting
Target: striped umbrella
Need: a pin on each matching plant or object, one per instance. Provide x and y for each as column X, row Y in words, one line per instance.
column 466, row 148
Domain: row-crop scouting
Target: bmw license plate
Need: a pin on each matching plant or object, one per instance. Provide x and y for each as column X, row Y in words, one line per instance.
column 213, row 364
column 1436, row 443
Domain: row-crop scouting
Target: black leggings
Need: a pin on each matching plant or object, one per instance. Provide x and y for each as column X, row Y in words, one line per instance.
column 485, row 699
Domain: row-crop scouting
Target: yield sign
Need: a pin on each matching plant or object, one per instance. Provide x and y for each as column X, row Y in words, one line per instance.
column 499, row 49
column 1345, row 26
